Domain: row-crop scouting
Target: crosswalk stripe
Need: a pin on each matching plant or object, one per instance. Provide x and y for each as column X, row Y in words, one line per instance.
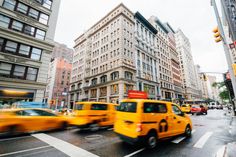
column 181, row 138
column 200, row 143
column 65, row 147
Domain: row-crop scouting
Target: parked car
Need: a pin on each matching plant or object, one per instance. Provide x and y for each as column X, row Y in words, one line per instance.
column 147, row 121
column 198, row 109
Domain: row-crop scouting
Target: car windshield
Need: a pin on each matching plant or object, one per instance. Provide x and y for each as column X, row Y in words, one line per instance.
column 127, row 107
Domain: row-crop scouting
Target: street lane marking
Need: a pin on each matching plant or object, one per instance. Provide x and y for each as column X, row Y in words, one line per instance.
column 65, row 147
column 136, row 152
column 26, row 150
column 221, row 152
column 181, row 138
column 200, row 143
column 14, row 138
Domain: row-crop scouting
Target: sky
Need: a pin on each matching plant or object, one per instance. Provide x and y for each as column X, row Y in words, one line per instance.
column 195, row 18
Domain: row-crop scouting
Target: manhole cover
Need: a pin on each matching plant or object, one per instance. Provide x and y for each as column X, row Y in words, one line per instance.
column 93, row 137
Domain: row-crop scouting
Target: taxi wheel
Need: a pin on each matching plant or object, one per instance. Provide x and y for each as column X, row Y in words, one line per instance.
column 12, row 130
column 188, row 131
column 151, row 140
column 64, row 125
column 94, row 127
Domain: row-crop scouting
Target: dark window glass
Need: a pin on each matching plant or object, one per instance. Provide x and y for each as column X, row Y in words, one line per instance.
column 176, row 110
column 5, row 69
column 115, row 75
column 29, row 113
column 33, row 13
column 36, row 53
column 47, row 3
column 1, row 43
column 127, row 107
column 22, row 8
column 29, row 30
column 98, row 107
column 44, row 113
column 32, row 74
column 24, row 50
column 11, row 46
column 4, row 21
column 9, row 4
column 43, row 18
column 17, row 26
column 79, row 107
column 94, row 81
column 40, row 34
column 154, row 108
column 103, row 79
column 19, row 71
column 128, row 75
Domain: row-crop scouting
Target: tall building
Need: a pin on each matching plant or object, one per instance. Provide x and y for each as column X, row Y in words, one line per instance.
column 198, row 81
column 175, row 63
column 164, row 59
column 187, row 66
column 59, row 72
column 103, row 63
column 147, row 75
column 213, row 92
column 27, row 30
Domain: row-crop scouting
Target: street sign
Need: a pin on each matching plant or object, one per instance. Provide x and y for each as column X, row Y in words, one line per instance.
column 134, row 94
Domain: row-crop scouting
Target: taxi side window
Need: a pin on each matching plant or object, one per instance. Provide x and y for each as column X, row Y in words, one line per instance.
column 44, row 113
column 176, row 110
column 27, row 113
column 98, row 107
column 154, row 108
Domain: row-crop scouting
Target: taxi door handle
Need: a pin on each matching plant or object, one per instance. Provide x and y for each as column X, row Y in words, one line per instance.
column 174, row 117
column 179, row 122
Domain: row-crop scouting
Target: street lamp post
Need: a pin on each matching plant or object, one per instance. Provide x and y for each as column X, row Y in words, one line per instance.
column 226, row 49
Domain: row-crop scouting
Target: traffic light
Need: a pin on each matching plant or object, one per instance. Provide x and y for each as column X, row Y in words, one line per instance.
column 217, row 35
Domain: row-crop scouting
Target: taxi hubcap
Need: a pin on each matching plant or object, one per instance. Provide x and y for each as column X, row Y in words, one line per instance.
column 152, row 142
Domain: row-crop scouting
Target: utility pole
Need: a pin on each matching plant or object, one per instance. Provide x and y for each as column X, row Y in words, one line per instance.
column 226, row 49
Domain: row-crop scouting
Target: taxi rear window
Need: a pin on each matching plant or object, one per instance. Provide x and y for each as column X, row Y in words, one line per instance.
column 154, row 108
column 127, row 107
column 184, row 105
column 79, row 107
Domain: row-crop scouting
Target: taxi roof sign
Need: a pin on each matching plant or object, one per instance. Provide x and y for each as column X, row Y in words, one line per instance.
column 134, row 94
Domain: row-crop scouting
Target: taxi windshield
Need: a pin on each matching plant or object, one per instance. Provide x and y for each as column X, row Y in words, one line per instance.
column 127, row 107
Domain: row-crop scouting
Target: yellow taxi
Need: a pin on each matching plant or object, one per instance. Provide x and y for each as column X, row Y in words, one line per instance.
column 147, row 121
column 186, row 108
column 93, row 115
column 15, row 121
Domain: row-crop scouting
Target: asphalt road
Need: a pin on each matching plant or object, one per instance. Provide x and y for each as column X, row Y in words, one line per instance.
column 210, row 134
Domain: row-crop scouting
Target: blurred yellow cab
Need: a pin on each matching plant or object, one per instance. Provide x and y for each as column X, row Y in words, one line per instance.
column 186, row 108
column 147, row 121
column 93, row 115
column 14, row 121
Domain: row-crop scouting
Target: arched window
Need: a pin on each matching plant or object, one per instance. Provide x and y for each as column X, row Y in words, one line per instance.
column 94, row 81
column 128, row 75
column 115, row 75
column 73, row 87
column 103, row 79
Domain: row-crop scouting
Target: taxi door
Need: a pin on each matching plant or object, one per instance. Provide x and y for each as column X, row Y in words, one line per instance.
column 178, row 120
column 156, row 116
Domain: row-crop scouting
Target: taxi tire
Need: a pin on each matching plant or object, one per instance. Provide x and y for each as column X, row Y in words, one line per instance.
column 188, row 131
column 12, row 130
column 151, row 140
column 94, row 127
column 64, row 126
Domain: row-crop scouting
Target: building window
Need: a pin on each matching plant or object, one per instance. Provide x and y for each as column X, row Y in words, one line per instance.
column 128, row 75
column 94, row 81
column 4, row 21
column 103, row 79
column 103, row 91
column 47, row 3
column 22, row 8
column 32, row 74
column 1, row 43
column 24, row 50
column 17, row 26
column 11, row 46
column 43, row 18
column 115, row 75
column 93, row 93
column 9, row 4
column 36, row 53
column 40, row 34
column 33, row 13
column 29, row 30
column 5, row 69
column 19, row 72
column 114, row 89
